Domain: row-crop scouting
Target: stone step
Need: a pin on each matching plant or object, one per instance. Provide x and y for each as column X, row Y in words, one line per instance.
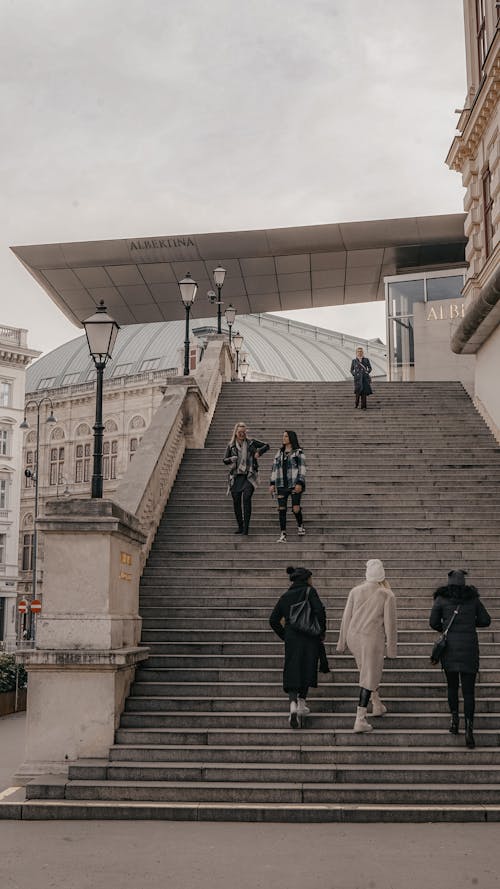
column 266, row 773
column 251, row 791
column 264, row 720
column 317, row 703
column 326, row 689
column 394, row 675
column 345, row 813
column 381, row 755
column 311, row 737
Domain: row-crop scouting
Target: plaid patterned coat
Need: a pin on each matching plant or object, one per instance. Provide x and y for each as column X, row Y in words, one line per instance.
column 297, row 469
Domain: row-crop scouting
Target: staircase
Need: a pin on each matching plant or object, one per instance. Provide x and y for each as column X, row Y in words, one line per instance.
column 415, row 481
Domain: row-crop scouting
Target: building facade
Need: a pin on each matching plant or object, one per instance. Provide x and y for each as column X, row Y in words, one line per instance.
column 475, row 153
column 14, row 359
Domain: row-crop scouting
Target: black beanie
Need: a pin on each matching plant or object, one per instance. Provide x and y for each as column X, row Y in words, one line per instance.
column 456, row 578
column 298, row 575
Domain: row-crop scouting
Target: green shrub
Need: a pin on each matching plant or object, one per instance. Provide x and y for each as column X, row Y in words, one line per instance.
column 8, row 674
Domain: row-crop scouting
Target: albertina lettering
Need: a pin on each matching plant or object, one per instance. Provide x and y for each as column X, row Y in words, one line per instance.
column 158, row 243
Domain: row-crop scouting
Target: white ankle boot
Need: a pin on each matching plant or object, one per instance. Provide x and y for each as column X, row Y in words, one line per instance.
column 293, row 718
column 361, row 725
column 378, row 707
column 302, row 708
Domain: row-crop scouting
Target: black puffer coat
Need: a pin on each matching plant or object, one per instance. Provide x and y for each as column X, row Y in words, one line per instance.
column 301, row 652
column 462, row 651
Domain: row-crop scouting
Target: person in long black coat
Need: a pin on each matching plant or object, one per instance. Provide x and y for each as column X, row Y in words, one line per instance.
column 300, row 671
column 361, row 370
column 460, row 659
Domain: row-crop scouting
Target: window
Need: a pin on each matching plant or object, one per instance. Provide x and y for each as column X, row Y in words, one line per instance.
column 82, row 465
column 134, row 444
column 27, row 563
column 4, row 442
column 122, row 370
column 192, row 359
column 30, row 464
column 71, row 378
column 109, row 456
column 482, row 45
column 56, row 466
column 3, row 493
column 5, row 393
column 488, row 213
column 150, row 364
column 46, row 383
column 3, row 543
column 446, row 287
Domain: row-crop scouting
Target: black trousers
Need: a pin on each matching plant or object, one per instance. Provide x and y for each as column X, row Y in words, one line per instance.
column 468, row 682
column 298, row 693
column 241, row 492
column 362, row 395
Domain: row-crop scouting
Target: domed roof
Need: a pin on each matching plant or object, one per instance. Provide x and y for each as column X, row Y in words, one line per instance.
column 276, row 347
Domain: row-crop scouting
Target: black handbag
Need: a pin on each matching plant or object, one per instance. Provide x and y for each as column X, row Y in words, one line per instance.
column 302, row 618
column 439, row 646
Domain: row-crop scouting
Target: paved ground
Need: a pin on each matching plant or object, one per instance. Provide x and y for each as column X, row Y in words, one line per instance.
column 142, row 855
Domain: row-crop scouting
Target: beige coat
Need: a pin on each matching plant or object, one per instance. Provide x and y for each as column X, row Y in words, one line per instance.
column 368, row 628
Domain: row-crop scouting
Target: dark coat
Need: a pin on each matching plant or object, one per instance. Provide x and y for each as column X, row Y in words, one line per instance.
column 361, row 371
column 462, row 651
column 301, row 652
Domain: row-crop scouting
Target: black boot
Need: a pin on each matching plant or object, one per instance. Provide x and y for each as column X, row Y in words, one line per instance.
column 469, row 736
column 454, row 723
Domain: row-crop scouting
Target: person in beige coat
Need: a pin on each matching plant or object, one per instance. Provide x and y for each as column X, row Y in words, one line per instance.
column 368, row 629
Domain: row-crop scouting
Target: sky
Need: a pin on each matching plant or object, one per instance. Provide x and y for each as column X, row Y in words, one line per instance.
column 123, row 120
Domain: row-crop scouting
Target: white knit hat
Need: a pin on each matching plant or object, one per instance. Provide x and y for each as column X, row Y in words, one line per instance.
column 375, row 570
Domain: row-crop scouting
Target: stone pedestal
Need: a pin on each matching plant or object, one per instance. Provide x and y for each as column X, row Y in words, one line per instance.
column 87, row 636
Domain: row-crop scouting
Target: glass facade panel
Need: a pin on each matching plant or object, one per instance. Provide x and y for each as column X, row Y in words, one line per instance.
column 403, row 295
column 402, row 349
column 445, row 288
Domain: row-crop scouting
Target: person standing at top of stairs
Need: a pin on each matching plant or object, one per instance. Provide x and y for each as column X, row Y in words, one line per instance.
column 361, row 370
column 368, row 627
column 300, row 671
column 288, row 479
column 460, row 660
column 242, row 455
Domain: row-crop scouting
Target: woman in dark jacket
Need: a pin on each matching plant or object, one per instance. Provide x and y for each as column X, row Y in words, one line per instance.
column 460, row 659
column 361, row 370
column 300, row 671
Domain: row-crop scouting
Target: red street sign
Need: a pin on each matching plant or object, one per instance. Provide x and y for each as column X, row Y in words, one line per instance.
column 36, row 606
column 23, row 606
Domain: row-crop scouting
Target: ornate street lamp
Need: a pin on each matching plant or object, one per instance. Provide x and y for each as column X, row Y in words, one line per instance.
column 101, row 330
column 237, row 342
column 244, row 369
column 34, row 475
column 230, row 315
column 219, row 275
column 188, row 288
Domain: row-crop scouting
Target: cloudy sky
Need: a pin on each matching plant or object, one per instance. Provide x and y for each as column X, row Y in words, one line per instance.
column 126, row 119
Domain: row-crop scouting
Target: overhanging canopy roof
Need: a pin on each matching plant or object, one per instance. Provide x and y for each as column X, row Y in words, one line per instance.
column 268, row 270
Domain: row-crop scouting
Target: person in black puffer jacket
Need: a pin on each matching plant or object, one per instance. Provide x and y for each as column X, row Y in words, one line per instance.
column 460, row 659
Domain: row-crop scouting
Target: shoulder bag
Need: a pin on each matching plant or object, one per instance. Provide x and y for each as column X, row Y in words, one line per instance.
column 439, row 646
column 302, row 618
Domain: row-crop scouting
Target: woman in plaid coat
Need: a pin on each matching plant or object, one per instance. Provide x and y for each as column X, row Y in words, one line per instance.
column 288, row 479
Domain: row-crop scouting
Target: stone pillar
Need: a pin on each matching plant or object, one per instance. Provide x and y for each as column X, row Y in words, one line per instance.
column 87, row 636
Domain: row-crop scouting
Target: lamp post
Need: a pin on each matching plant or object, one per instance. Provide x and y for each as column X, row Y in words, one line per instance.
column 219, row 275
column 101, row 330
column 34, row 474
column 188, row 288
column 230, row 315
column 244, row 369
column 238, row 342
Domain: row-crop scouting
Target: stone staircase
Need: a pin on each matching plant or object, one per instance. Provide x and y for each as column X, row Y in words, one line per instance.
column 415, row 481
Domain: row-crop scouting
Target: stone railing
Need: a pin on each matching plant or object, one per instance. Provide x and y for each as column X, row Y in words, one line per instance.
column 88, row 633
column 181, row 421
